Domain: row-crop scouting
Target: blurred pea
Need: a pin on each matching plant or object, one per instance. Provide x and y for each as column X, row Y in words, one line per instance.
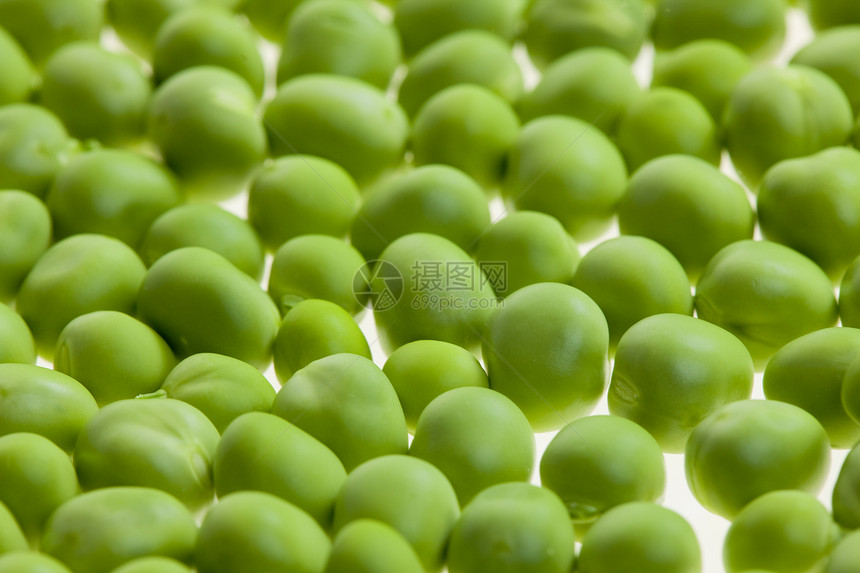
column 12, row 539
column 25, row 233
column 43, row 26
column 369, row 546
column 835, row 53
column 19, row 77
column 16, row 342
column 270, row 17
column 30, row 562
column 845, row 556
column 829, row 13
column 152, row 565
column 846, row 492
column 850, row 392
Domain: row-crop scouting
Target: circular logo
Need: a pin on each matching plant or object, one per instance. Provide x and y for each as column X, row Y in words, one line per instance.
column 377, row 285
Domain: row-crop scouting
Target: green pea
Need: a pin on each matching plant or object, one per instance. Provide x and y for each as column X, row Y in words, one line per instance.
column 339, row 118
column 16, row 342
column 19, row 77
column 38, row 477
column 12, row 539
column 266, row 453
column 786, row 531
column 152, row 565
column 221, row 387
column 301, row 195
column 672, row 371
column 111, row 192
column 850, row 392
column 209, row 226
column 199, row 302
column 594, row 84
column 270, row 17
column 834, row 52
column 347, row 403
column 407, row 493
column 368, row 546
column 846, row 492
column 568, row 169
column 765, row 294
column 688, row 206
column 468, row 56
column 43, row 402
column 422, row 370
column 100, row 530
column 255, row 532
column 780, row 113
column 30, row 562
column 512, row 527
column 631, row 278
column 845, row 555
column 596, row 463
column 468, row 127
column 25, row 233
column 43, row 26
column 431, row 199
column 829, row 13
column 78, row 275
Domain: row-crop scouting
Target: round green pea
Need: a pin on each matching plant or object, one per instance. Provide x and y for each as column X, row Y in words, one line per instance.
column 100, row 530
column 849, row 295
column 369, row 546
column 25, row 233
column 834, row 52
column 850, row 392
column 346, row 402
column 845, row 556
column 270, row 17
column 43, row 26
column 152, row 565
column 16, row 342
column 19, row 77
column 846, row 492
column 30, row 562
column 12, row 539
column 830, row 13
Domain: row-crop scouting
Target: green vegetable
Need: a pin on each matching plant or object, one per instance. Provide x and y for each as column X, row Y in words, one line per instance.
column 152, row 565
column 369, row 546
column 12, row 539
column 30, row 562
column 19, row 77
column 829, row 13
column 16, row 342
column 845, row 555
column 43, row 26
column 25, row 233
column 834, row 52
column 270, row 17
column 846, row 492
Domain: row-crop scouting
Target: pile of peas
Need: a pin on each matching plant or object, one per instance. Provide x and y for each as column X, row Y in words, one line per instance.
column 329, row 286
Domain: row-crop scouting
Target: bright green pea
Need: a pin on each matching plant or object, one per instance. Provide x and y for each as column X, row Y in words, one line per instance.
column 12, row 539
column 16, row 342
column 266, row 453
column 631, row 278
column 468, row 127
column 369, row 546
column 199, row 302
column 671, row 371
column 765, row 294
column 30, row 562
column 255, row 532
column 407, row 493
column 43, row 402
column 431, row 199
column 688, row 206
column 346, row 402
column 270, row 17
column 152, row 565
column 546, row 349
column 43, row 26
column 468, row 56
column 19, row 77
column 845, row 557
column 111, row 192
column 834, row 52
column 78, row 275
column 830, row 13
column 158, row 442
column 339, row 118
column 787, row 531
column 748, row 448
column 25, row 233
column 780, row 113
column 209, row 226
column 569, row 169
column 301, row 195
column 846, row 492
column 100, row 530
column 512, row 527
column 849, row 295
column 851, row 391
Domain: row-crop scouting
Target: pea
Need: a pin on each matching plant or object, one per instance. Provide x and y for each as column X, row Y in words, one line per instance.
column 25, row 233
column 468, row 56
column 594, row 84
column 582, row 191
column 407, row 493
column 468, row 127
column 850, row 392
column 834, row 53
column 368, row 546
column 43, row 402
column 255, row 532
column 199, row 302
column 301, row 195
column 845, row 555
column 512, row 527
column 221, row 387
column 780, row 113
column 688, row 206
column 431, row 199
column 43, row 26
column 111, row 192
column 783, row 530
column 672, row 371
column 208, row 226
column 339, row 118
column 152, row 565
column 30, row 562
column 266, row 453
column 11, row 537
column 100, row 530
column 546, row 349
column 829, row 13
column 19, row 77
column 76, row 276
column 846, row 492
column 347, row 403
column 765, row 294
column 270, row 17
column 16, row 342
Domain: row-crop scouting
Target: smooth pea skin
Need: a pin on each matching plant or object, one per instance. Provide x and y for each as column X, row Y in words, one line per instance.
column 546, row 349
column 407, row 493
column 339, row 118
column 765, row 294
column 100, row 530
column 25, row 233
column 43, row 26
column 30, row 562
column 512, row 527
column 582, row 190
column 851, row 391
column 829, row 13
column 846, row 492
column 369, row 546
column 845, row 557
column 346, row 402
column 11, row 536
column 199, row 302
column 671, row 371
column 78, row 275
column 834, row 52
column 269, row 17
column 849, row 295
column 631, row 278
column 43, row 402
column 19, row 77
column 16, row 342
column 255, row 532
column 780, row 113
column 786, row 531
column 152, row 565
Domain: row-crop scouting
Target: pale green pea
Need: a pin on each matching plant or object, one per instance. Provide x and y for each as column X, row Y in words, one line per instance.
column 834, row 52
column 43, row 26
column 30, row 562
column 12, row 539
column 16, row 342
column 846, row 492
column 153, row 565
column 25, row 233
column 19, row 77
column 370, row 546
